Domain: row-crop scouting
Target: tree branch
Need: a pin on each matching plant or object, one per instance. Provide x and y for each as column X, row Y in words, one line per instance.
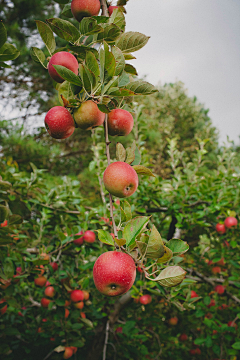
column 104, row 8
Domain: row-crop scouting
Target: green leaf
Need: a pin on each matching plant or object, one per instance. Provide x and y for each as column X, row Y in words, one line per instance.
column 140, row 87
column 38, row 56
column 67, row 11
column 129, row 57
column 65, row 90
column 15, row 220
column 166, row 256
column 155, row 248
column 3, row 34
column 89, row 26
column 4, row 65
column 68, row 75
column 64, row 29
column 127, row 210
column 131, row 153
column 236, row 345
column 83, row 50
column 118, row 19
column 3, row 213
column 110, row 33
column 137, row 159
column 47, row 36
column 131, row 41
column 87, row 322
column 119, row 60
column 199, row 341
column 5, row 185
column 142, row 170
column 86, row 78
column 105, row 237
column 130, row 69
column 120, row 152
column 102, row 64
column 110, row 87
column 170, row 276
column 133, row 229
column 92, row 64
column 8, row 52
column 110, row 63
column 177, row 246
column 124, row 80
column 8, row 268
column 11, row 332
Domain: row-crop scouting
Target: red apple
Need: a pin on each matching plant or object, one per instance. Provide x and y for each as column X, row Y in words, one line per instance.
column 219, row 289
column 79, row 305
column 86, row 295
column 4, row 308
column 59, row 122
column 120, row 179
column 83, row 315
column 212, row 303
column 85, row 8
column 67, row 353
column 194, row 294
column 79, row 241
column 40, row 281
column 114, row 273
column 54, row 265
column 183, row 337
column 220, row 228
column 232, row 324
column 74, row 349
column 77, row 295
column 216, row 270
column 111, row 8
column 197, row 351
column 19, row 270
column 120, row 122
column 88, row 116
column 3, row 224
column 67, row 303
column 4, row 284
column 45, row 302
column 230, row 222
column 50, row 291
column 173, row 321
column 89, row 236
column 139, row 269
column 145, row 299
column 65, row 59
column 67, row 312
column 221, row 262
column 47, row 283
column 118, row 330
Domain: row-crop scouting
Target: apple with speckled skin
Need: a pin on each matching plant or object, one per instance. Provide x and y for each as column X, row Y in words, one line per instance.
column 220, row 228
column 65, row 59
column 120, row 122
column 45, row 302
column 50, row 291
column 114, row 273
column 120, row 179
column 77, row 295
column 145, row 299
column 59, row 123
column 80, row 240
column 230, row 222
column 88, row 115
column 85, row 8
column 89, row 236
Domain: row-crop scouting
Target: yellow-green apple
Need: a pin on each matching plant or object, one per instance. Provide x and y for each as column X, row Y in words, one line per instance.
column 120, row 122
column 173, row 321
column 88, row 115
column 79, row 305
column 120, row 179
column 89, row 236
column 54, row 266
column 67, row 353
column 85, row 8
column 230, row 222
column 65, row 59
column 77, row 295
column 40, row 281
column 145, row 299
column 80, row 240
column 114, row 273
column 219, row 289
column 111, row 8
column 49, row 291
column 86, row 295
column 45, row 302
column 220, row 228
column 59, row 122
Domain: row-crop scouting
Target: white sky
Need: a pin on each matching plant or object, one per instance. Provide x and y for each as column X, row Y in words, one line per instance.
column 198, row 43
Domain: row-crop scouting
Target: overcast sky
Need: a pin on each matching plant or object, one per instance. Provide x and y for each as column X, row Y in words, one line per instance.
column 198, row 43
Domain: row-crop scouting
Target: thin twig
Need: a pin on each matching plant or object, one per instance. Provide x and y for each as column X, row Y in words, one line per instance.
column 106, row 341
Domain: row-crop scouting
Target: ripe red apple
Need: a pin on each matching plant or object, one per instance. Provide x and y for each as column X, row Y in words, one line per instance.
column 40, row 281
column 145, row 299
column 47, row 283
column 67, row 303
column 67, row 312
column 19, row 270
column 193, row 294
column 220, row 228
column 83, row 315
column 74, row 349
column 88, row 116
column 173, row 321
column 50, row 291
column 85, row 8
column 221, row 262
column 45, row 302
column 77, row 295
column 79, row 241
column 216, row 270
column 54, row 265
column 219, row 289
column 114, row 273
column 232, row 324
column 4, row 223
column 197, row 351
column 139, row 269
column 230, row 222
column 79, row 305
column 111, row 8
column 118, row 330
column 59, row 122
column 4, row 308
column 120, row 122
column 65, row 59
column 89, row 236
column 86, row 294
column 212, row 303
column 120, row 179
column 67, row 353
column 183, row 337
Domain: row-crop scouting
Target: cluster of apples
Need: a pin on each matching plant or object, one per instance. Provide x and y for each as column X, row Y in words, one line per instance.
column 87, row 236
column 229, row 222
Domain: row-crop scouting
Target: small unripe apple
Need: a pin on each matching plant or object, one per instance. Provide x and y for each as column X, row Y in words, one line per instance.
column 120, row 179
column 220, row 228
column 219, row 289
column 145, row 299
column 89, row 236
column 85, row 8
column 65, row 59
column 111, row 8
column 173, row 321
column 230, row 222
column 193, row 294
column 86, row 295
column 120, row 122
column 114, row 273
column 50, row 291
column 40, row 281
column 77, row 295
column 45, row 302
column 59, row 122
column 88, row 115
column 67, row 353
column 183, row 337
column 79, row 305
column 80, row 240
column 54, row 265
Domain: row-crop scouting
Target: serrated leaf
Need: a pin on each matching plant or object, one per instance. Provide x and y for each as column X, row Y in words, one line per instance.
column 8, row 52
column 120, row 152
column 110, row 63
column 67, row 11
column 47, row 36
column 131, row 41
column 124, row 80
column 82, row 50
column 38, row 56
column 3, row 213
column 92, row 64
column 89, row 26
column 59, row 348
column 142, row 170
column 171, row 276
column 155, row 248
column 168, row 254
column 120, row 92
column 130, row 69
column 137, row 159
column 68, row 75
column 86, row 80
column 110, row 33
column 140, row 87
column 103, row 108
column 142, row 243
column 131, row 153
column 177, row 246
column 3, row 34
column 105, row 237
column 119, row 59
column 118, row 18
column 111, row 86
column 64, row 29
column 133, row 229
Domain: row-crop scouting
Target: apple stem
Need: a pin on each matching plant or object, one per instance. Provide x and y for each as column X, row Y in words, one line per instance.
column 104, row 8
